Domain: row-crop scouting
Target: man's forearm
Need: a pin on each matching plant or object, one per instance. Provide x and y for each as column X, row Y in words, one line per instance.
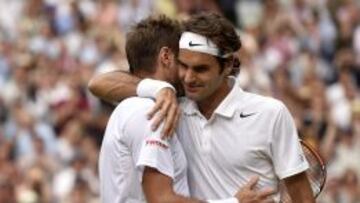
column 172, row 197
column 298, row 183
column 114, row 86
column 175, row 198
column 118, row 85
column 158, row 188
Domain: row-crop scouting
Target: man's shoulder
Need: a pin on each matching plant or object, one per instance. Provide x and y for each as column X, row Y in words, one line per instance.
column 134, row 103
column 132, row 106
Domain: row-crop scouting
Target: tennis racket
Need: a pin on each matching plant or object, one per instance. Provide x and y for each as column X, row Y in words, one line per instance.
column 316, row 173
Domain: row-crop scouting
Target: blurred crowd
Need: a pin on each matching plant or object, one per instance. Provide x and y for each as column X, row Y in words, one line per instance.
column 303, row 52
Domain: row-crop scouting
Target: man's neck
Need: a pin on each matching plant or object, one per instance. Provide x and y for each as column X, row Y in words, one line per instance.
column 208, row 105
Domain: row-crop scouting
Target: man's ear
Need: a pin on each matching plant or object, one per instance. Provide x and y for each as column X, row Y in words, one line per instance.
column 166, row 56
column 229, row 64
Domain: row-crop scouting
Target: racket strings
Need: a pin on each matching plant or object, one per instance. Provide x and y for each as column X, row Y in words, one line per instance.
column 316, row 172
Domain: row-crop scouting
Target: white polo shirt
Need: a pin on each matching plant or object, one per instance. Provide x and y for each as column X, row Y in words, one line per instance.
column 247, row 135
column 128, row 145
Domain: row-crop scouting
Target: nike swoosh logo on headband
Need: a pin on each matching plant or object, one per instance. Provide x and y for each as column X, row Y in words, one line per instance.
column 194, row 45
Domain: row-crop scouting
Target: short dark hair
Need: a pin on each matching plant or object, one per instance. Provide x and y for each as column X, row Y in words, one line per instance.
column 216, row 28
column 147, row 37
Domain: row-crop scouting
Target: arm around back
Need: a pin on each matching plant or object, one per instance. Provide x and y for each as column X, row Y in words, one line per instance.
column 158, row 188
column 113, row 86
column 118, row 85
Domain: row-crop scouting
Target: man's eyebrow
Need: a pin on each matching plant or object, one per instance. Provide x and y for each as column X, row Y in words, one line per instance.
column 181, row 63
column 199, row 66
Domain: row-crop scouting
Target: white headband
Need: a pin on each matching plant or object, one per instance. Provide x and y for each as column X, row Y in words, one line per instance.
column 199, row 43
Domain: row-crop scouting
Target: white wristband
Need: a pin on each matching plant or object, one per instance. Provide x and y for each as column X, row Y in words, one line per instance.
column 229, row 200
column 150, row 87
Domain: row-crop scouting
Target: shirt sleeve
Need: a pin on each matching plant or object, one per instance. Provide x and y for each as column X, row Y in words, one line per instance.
column 287, row 155
column 147, row 147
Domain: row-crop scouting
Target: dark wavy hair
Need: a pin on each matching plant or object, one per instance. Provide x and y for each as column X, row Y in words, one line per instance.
column 219, row 30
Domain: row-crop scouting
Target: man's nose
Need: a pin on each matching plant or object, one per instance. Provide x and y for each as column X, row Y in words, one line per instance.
column 189, row 76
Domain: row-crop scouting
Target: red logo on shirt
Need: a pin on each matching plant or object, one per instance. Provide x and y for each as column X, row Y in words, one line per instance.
column 156, row 143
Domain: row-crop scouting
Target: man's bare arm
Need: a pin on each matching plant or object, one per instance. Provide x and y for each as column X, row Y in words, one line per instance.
column 299, row 188
column 118, row 85
column 114, row 86
column 158, row 188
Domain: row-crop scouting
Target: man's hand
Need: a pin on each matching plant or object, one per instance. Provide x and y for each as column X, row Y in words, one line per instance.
column 166, row 109
column 248, row 194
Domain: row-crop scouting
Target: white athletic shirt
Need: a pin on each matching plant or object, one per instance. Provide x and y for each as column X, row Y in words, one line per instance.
column 247, row 135
column 128, row 145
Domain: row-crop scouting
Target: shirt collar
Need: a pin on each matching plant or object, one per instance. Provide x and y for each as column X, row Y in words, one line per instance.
column 226, row 108
column 189, row 107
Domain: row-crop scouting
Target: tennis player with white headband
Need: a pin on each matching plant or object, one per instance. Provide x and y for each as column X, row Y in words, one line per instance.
column 228, row 135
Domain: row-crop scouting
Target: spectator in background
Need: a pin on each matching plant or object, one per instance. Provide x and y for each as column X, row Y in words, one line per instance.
column 24, row 129
column 7, row 190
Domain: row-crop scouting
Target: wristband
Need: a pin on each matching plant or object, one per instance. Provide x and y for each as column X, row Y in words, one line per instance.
column 150, row 87
column 229, row 200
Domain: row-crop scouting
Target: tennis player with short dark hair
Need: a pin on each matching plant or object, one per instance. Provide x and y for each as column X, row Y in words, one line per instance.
column 127, row 149
column 135, row 164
